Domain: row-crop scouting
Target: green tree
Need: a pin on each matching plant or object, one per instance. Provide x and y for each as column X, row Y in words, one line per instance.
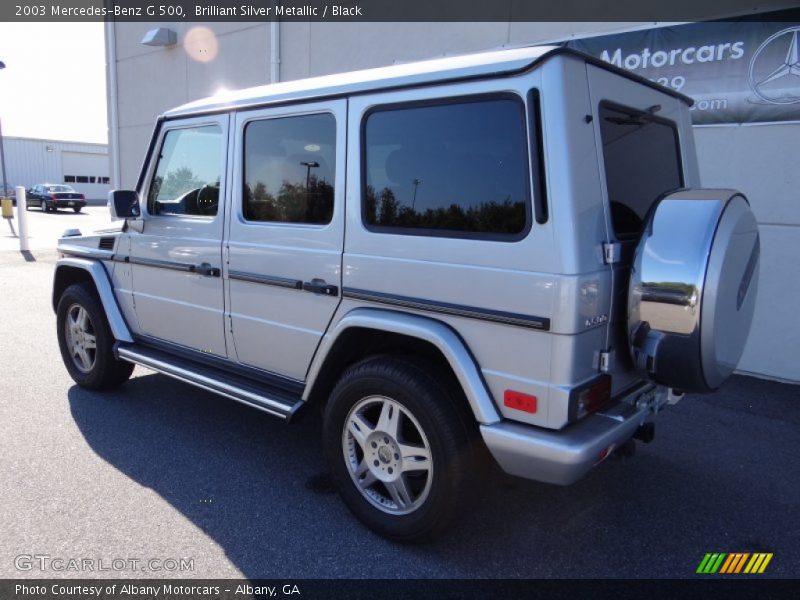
column 178, row 182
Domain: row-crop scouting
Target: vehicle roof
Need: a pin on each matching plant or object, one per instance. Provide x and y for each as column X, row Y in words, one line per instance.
column 453, row 68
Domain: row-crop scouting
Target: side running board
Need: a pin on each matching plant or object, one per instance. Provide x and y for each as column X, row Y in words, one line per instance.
column 270, row 399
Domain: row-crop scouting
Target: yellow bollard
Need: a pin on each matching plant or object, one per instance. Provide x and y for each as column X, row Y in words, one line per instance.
column 8, row 210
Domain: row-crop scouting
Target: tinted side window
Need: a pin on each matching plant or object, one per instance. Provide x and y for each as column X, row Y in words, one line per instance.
column 188, row 173
column 458, row 168
column 642, row 161
column 289, row 167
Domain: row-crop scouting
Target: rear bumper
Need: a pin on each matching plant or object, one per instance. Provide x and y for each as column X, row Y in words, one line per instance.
column 564, row 456
column 69, row 203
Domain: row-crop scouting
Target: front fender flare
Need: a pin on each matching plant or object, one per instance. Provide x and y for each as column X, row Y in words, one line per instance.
column 104, row 290
column 435, row 332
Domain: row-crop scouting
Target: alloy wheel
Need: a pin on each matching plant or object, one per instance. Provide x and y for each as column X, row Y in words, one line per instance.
column 387, row 455
column 80, row 337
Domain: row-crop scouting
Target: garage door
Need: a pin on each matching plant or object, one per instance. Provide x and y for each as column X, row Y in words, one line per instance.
column 87, row 173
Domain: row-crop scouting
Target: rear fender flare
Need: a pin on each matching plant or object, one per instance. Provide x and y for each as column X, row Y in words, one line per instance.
column 429, row 330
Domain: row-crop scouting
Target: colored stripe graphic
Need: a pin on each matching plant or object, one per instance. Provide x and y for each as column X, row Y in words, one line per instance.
column 702, row 567
column 741, row 562
column 765, row 563
column 717, row 564
column 758, row 563
column 711, row 563
column 733, row 563
column 728, row 564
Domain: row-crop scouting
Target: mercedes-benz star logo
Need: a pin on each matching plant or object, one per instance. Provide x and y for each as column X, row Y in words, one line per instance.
column 781, row 84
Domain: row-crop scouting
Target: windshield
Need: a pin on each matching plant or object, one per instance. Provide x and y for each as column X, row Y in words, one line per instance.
column 59, row 188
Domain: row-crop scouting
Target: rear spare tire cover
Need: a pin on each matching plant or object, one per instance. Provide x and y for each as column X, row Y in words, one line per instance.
column 693, row 288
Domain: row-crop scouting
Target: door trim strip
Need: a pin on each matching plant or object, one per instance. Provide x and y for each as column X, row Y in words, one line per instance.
column 284, row 282
column 457, row 310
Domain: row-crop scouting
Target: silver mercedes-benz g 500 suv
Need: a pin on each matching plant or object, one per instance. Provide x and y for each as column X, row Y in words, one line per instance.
column 505, row 256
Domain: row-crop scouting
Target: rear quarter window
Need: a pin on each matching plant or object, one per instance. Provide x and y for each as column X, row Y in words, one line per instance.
column 457, row 168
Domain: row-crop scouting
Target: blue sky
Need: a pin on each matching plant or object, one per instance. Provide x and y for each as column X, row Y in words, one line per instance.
column 54, row 83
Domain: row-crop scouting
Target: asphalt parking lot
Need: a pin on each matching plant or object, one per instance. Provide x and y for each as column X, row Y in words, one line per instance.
column 159, row 469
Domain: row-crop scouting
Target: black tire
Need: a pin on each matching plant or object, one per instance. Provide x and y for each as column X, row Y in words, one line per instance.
column 77, row 209
column 458, row 456
column 105, row 371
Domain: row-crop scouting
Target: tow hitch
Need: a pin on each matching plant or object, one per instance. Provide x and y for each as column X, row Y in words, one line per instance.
column 645, row 434
column 625, row 450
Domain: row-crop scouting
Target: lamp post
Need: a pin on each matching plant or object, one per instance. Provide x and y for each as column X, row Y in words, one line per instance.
column 2, row 151
column 309, row 165
column 416, row 183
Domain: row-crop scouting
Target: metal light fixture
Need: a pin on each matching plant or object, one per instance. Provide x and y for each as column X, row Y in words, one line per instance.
column 161, row 36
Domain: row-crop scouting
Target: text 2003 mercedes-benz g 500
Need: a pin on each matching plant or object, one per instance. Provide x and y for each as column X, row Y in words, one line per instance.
column 501, row 255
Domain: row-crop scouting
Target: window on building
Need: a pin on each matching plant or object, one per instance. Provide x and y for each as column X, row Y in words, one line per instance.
column 188, row 173
column 448, row 169
column 289, row 168
column 69, row 178
column 642, row 161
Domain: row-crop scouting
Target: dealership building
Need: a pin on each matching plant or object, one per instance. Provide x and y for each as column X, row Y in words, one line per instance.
column 741, row 74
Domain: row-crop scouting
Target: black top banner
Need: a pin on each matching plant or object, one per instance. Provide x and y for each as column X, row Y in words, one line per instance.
column 737, row 72
column 382, row 10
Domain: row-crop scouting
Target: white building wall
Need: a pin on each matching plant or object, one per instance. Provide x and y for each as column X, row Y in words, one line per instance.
column 762, row 162
column 757, row 159
column 31, row 161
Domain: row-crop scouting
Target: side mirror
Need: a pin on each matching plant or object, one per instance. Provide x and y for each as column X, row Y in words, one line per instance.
column 123, row 204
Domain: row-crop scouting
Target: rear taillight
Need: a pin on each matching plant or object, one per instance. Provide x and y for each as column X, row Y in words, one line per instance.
column 589, row 398
column 82, row 197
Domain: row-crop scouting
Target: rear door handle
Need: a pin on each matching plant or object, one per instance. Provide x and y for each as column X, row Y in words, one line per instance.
column 318, row 286
column 207, row 270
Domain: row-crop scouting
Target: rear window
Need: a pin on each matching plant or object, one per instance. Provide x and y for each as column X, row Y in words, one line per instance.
column 642, row 161
column 457, row 169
